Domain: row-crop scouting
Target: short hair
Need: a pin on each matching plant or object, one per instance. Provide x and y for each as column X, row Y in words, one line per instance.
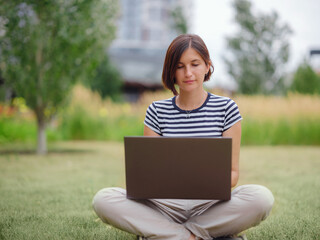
column 173, row 55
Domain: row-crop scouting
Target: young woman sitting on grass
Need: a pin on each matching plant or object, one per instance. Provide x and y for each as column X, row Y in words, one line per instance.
column 197, row 113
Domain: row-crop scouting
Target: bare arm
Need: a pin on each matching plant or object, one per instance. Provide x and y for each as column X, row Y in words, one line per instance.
column 148, row 132
column 235, row 133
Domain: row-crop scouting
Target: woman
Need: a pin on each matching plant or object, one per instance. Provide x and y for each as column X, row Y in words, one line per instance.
column 191, row 112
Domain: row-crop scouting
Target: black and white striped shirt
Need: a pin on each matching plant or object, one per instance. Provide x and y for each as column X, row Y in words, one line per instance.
column 216, row 115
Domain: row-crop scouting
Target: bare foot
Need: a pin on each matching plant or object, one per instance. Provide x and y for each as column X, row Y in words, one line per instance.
column 192, row 237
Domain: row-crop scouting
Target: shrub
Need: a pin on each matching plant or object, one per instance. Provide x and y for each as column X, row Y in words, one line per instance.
column 305, row 80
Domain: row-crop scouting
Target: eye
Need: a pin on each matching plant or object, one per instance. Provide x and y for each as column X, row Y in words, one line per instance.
column 180, row 66
column 195, row 65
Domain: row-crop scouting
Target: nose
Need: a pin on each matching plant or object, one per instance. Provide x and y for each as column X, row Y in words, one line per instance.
column 188, row 71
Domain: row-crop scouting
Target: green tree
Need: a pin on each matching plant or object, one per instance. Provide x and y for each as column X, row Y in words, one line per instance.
column 47, row 45
column 179, row 20
column 305, row 80
column 108, row 81
column 258, row 51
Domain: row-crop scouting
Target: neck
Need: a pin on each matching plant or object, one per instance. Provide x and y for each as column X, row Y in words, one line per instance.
column 191, row 100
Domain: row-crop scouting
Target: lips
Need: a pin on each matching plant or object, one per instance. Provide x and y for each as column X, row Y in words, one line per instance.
column 189, row 81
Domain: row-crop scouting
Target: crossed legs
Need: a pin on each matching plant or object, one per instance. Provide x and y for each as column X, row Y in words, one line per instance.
column 174, row 219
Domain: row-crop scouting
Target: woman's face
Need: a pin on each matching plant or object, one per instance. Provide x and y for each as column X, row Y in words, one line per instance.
column 191, row 70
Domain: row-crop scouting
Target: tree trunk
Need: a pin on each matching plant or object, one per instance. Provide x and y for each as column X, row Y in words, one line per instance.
column 40, row 107
column 42, row 137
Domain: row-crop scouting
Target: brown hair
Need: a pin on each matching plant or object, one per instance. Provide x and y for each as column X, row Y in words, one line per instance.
column 174, row 52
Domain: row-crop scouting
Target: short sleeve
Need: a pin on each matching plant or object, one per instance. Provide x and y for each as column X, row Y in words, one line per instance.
column 232, row 115
column 151, row 119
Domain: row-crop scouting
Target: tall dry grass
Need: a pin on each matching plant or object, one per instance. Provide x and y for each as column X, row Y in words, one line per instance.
column 292, row 106
column 95, row 106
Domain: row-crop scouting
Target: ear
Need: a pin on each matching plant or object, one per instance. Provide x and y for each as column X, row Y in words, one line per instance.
column 208, row 66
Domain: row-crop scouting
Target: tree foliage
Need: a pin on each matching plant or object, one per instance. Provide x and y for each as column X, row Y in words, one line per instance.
column 47, row 45
column 305, row 80
column 258, row 51
column 107, row 81
column 179, row 23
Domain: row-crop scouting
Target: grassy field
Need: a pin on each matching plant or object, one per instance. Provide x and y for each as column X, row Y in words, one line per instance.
column 50, row 197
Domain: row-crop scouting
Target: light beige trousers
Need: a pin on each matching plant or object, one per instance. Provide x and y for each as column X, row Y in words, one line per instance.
column 174, row 219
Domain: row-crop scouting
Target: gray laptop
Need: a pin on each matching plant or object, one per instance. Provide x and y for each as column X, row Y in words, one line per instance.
column 178, row 168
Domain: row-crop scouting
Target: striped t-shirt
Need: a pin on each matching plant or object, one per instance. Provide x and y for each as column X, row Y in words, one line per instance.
column 216, row 115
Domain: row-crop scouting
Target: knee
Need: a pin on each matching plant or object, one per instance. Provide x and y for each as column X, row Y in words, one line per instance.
column 263, row 200
column 260, row 199
column 104, row 200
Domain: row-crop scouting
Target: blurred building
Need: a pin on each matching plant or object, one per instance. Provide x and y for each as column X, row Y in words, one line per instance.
column 145, row 30
column 315, row 60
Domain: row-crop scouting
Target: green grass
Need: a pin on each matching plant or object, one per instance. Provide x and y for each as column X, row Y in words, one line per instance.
column 284, row 131
column 14, row 129
column 76, row 126
column 49, row 197
column 81, row 126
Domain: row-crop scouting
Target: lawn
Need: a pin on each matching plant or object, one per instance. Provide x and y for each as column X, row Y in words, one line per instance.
column 50, row 197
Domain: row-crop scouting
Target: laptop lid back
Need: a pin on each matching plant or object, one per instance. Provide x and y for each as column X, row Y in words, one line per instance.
column 181, row 168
